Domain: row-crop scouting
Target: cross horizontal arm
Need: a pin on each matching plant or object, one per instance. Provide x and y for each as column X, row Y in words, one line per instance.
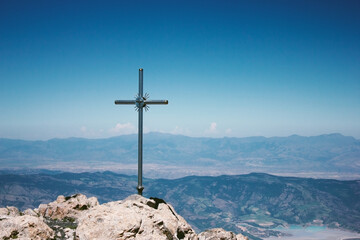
column 149, row 102
column 124, row 101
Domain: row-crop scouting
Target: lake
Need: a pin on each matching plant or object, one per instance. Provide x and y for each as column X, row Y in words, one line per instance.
column 315, row 233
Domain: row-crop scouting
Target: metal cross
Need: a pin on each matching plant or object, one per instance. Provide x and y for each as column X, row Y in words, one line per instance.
column 141, row 101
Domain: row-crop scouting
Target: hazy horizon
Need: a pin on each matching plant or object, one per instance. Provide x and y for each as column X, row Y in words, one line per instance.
column 175, row 134
column 172, row 156
column 178, row 134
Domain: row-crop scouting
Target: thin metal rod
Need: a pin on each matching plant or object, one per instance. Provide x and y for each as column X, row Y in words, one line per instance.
column 140, row 187
column 141, row 82
column 124, row 101
column 156, row 102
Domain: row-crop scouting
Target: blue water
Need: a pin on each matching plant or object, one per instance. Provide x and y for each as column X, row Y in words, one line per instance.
column 314, row 233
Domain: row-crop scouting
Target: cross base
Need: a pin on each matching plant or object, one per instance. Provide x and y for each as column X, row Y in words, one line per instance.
column 140, row 189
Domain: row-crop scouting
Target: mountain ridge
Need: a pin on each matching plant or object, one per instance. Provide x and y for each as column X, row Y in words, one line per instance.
column 134, row 135
column 174, row 156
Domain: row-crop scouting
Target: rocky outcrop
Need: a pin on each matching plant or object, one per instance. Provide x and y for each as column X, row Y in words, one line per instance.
column 219, row 233
column 70, row 207
column 9, row 211
column 24, row 227
column 135, row 217
column 80, row 218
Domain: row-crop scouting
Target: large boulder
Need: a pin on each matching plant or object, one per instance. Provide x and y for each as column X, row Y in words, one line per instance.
column 9, row 212
column 25, row 228
column 67, row 207
column 135, row 217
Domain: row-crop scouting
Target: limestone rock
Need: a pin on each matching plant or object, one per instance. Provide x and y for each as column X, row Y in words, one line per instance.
column 135, row 217
column 30, row 212
column 69, row 233
column 25, row 228
column 241, row 237
column 4, row 211
column 70, row 207
column 81, row 218
column 9, row 211
column 220, row 234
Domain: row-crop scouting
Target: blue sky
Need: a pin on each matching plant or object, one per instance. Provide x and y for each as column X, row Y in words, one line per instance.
column 228, row 68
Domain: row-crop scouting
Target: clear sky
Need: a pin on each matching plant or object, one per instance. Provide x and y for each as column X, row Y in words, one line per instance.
column 228, row 68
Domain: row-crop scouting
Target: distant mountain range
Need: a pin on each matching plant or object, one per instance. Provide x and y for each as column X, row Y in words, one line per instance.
column 252, row 204
column 172, row 156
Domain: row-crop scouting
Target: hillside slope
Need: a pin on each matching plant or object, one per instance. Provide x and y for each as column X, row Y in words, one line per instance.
column 255, row 202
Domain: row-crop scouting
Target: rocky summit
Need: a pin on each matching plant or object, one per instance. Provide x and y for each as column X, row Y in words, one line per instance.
column 77, row 217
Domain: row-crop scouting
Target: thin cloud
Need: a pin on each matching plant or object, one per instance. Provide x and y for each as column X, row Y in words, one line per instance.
column 212, row 127
column 123, row 128
column 83, row 129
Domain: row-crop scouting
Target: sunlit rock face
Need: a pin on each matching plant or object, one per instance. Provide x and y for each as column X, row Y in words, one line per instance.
column 24, row 227
column 70, row 207
column 219, row 233
column 80, row 218
column 135, row 217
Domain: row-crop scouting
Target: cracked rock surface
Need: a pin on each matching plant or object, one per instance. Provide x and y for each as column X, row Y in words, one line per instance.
column 135, row 217
column 70, row 207
column 219, row 233
column 24, row 227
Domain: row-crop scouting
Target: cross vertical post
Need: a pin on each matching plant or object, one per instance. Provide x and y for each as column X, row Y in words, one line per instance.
column 140, row 103
column 140, row 187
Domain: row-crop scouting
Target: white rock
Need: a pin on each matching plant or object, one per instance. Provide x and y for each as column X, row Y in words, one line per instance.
column 241, row 237
column 219, row 233
column 69, row 233
column 30, row 212
column 135, row 217
column 24, row 228
column 9, row 212
column 70, row 207
column 60, row 199
column 4, row 211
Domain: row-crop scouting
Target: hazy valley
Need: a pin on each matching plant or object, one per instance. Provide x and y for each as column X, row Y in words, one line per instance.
column 173, row 156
